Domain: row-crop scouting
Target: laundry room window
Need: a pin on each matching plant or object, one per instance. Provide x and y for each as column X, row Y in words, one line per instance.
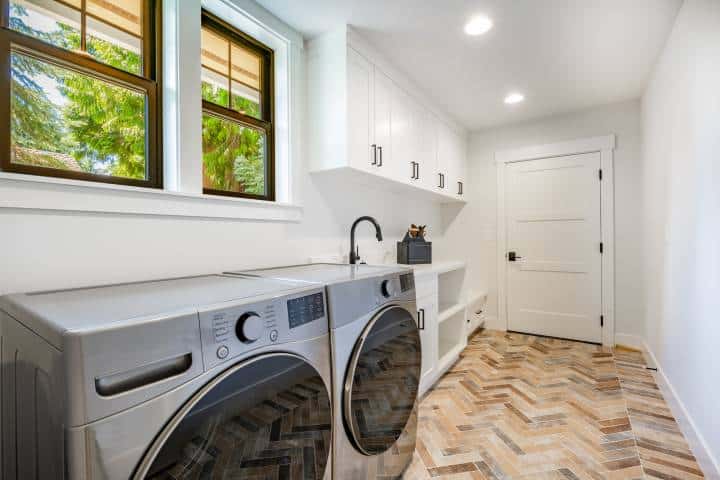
column 79, row 90
column 237, row 123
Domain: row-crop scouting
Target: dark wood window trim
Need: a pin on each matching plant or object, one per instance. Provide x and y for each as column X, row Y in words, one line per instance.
column 148, row 83
column 266, row 125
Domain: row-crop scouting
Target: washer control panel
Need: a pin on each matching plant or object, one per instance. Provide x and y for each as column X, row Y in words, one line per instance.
column 395, row 287
column 229, row 330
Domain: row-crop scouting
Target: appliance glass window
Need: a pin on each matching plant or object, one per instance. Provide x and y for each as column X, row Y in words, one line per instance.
column 383, row 380
column 268, row 418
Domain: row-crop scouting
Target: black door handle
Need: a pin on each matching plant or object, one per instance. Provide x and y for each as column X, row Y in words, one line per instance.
column 374, row 147
column 440, row 180
column 512, row 256
column 421, row 316
column 380, row 162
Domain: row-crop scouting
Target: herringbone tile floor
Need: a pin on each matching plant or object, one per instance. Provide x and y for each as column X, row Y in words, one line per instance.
column 523, row 407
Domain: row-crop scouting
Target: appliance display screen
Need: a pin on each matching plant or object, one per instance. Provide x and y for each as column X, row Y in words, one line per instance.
column 305, row 309
column 407, row 282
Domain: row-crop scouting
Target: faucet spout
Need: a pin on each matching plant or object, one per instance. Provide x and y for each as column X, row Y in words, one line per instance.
column 354, row 256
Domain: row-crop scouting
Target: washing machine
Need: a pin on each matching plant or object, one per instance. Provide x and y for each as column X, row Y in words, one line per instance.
column 204, row 377
column 376, row 357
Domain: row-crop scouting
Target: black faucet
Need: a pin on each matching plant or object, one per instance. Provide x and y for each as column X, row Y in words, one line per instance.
column 355, row 255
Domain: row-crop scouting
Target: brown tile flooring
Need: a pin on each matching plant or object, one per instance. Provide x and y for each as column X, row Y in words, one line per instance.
column 523, row 407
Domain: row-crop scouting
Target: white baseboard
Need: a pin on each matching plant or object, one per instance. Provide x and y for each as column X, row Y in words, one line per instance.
column 493, row 323
column 708, row 463
column 629, row 340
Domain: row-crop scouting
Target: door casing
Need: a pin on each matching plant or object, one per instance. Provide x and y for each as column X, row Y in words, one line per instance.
column 605, row 145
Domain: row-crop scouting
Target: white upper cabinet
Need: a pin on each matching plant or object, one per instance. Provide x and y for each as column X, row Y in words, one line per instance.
column 404, row 134
column 383, row 160
column 364, row 123
column 361, row 123
column 428, row 154
column 450, row 178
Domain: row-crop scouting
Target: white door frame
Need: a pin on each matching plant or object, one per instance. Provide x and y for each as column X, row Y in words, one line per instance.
column 605, row 146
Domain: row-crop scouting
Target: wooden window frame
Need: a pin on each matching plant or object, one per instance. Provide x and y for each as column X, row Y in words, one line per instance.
column 148, row 84
column 267, row 105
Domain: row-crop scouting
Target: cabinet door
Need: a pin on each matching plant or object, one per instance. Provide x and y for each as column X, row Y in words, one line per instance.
column 456, row 176
column 445, row 159
column 382, row 88
column 361, row 133
column 404, row 137
column 427, row 322
column 428, row 151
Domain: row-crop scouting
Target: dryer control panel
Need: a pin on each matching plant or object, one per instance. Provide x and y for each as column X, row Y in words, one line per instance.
column 230, row 330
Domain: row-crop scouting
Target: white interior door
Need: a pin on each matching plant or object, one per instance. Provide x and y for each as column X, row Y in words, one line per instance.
column 554, row 287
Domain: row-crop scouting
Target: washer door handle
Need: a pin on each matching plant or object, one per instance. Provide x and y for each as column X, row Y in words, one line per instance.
column 144, row 375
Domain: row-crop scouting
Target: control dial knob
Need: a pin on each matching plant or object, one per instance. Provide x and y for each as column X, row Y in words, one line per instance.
column 249, row 327
column 389, row 288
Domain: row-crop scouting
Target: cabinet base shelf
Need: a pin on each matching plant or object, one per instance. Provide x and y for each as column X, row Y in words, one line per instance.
column 350, row 175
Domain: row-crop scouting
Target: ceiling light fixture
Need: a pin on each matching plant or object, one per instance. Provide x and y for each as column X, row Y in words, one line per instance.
column 478, row 25
column 514, row 98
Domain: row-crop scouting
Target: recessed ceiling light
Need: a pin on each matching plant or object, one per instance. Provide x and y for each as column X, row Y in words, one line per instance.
column 478, row 25
column 514, row 98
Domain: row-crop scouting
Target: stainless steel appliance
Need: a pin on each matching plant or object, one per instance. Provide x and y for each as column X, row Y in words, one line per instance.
column 204, row 377
column 376, row 356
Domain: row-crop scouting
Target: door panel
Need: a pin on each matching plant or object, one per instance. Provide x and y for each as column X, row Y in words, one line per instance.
column 266, row 418
column 360, row 112
column 382, row 89
column 427, row 311
column 553, row 224
column 428, row 149
column 403, row 135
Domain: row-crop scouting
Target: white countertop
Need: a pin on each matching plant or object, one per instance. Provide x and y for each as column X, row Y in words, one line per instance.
column 435, row 268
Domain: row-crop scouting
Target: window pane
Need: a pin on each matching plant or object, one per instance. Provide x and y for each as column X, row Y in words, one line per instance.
column 215, row 87
column 246, row 100
column 123, row 14
column 48, row 20
column 246, row 67
column 233, row 157
column 69, row 121
column 114, row 47
column 215, row 52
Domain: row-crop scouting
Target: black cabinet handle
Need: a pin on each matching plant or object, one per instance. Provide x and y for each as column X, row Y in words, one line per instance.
column 380, row 162
column 374, row 147
column 460, row 188
column 417, row 169
column 414, row 166
column 421, row 319
column 440, row 182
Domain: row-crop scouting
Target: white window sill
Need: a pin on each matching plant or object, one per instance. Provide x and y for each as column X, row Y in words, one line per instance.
column 32, row 192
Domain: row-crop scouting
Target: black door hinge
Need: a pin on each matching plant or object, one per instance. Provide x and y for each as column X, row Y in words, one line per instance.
column 600, row 174
column 601, row 247
column 602, row 320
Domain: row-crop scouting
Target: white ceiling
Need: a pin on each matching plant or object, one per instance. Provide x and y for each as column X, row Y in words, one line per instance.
column 564, row 55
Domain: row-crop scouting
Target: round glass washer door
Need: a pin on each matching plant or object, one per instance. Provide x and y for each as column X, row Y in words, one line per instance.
column 268, row 417
column 382, row 381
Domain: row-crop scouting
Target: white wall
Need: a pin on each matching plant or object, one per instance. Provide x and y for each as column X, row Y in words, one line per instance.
column 475, row 228
column 681, row 169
